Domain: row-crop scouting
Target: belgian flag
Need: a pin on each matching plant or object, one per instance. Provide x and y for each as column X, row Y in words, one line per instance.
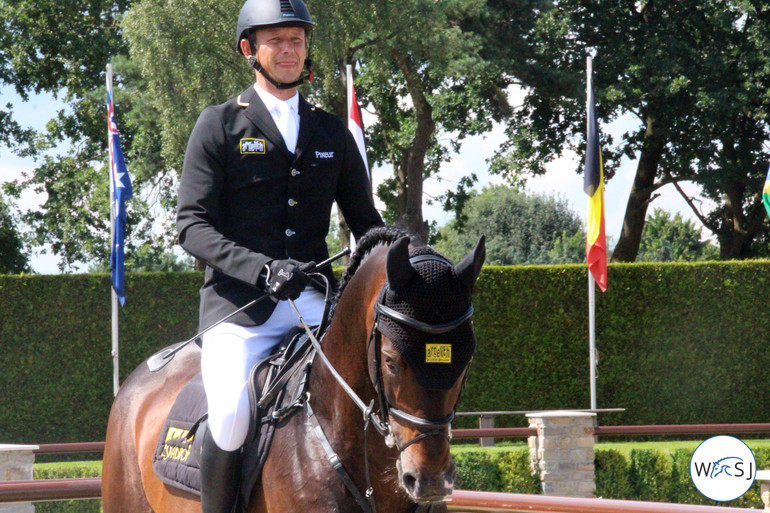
column 593, row 185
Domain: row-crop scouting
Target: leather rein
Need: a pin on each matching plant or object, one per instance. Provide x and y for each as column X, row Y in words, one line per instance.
column 381, row 419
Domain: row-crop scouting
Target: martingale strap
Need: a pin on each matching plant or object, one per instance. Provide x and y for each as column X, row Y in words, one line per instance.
column 335, row 461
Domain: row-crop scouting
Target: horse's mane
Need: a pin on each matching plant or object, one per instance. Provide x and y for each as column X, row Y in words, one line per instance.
column 378, row 236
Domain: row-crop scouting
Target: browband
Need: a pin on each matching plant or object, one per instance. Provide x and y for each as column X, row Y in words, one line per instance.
column 433, row 329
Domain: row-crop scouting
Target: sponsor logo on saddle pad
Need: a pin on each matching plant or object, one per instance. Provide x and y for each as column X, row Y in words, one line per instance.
column 438, row 353
column 182, row 441
column 252, row 146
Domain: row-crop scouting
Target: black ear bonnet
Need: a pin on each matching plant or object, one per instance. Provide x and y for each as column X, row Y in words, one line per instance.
column 432, row 294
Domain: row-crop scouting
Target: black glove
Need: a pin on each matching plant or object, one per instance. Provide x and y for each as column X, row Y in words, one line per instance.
column 286, row 279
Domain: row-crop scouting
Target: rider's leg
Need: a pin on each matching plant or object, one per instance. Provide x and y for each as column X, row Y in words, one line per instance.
column 229, row 353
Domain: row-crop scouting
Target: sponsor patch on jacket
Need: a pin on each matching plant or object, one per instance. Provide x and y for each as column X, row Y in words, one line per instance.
column 324, row 154
column 252, row 146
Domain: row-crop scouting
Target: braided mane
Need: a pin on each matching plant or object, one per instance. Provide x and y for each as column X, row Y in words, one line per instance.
column 381, row 235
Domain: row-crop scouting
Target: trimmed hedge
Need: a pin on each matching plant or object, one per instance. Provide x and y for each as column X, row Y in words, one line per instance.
column 68, row 471
column 645, row 475
column 650, row 475
column 678, row 343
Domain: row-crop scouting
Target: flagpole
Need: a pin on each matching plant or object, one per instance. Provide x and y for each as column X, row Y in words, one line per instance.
column 591, row 282
column 349, row 86
column 113, row 294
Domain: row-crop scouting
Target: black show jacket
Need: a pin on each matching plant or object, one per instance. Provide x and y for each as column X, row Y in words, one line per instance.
column 245, row 199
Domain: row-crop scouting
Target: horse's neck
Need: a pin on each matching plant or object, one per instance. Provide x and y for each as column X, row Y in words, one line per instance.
column 345, row 343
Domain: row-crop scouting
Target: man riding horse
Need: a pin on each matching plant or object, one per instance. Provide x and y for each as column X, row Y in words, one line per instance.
column 260, row 175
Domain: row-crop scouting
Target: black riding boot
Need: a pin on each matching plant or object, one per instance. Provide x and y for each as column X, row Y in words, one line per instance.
column 220, row 476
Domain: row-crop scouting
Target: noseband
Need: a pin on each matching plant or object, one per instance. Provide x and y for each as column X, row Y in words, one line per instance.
column 427, row 427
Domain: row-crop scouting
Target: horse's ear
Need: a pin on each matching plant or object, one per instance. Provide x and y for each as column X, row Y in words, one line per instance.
column 468, row 270
column 398, row 269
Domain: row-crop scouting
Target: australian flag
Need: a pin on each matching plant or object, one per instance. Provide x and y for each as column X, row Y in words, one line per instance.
column 122, row 192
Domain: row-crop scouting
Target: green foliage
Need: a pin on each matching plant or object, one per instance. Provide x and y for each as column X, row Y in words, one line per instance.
column 647, row 475
column 694, row 77
column 55, row 337
column 611, row 474
column 677, row 344
column 520, row 229
column 667, row 239
column 653, row 475
column 503, row 471
column 68, row 471
column 13, row 257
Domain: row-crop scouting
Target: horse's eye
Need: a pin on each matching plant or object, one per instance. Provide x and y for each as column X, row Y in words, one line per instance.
column 390, row 363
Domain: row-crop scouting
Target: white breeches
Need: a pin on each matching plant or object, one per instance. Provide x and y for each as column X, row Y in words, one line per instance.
column 229, row 353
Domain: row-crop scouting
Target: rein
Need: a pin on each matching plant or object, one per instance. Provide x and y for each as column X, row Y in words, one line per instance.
column 380, row 420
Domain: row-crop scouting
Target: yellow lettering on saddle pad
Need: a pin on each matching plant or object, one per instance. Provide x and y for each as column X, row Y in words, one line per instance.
column 438, row 353
column 171, row 452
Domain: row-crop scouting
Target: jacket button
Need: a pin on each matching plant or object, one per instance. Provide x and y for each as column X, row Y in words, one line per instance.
column 289, row 232
column 294, row 172
column 292, row 202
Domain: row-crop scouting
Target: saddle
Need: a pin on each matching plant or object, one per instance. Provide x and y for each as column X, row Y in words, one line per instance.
column 277, row 384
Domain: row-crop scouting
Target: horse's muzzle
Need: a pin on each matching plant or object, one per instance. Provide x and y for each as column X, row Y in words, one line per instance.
column 423, row 487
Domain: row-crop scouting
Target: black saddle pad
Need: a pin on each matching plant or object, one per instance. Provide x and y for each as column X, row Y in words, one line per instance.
column 177, row 455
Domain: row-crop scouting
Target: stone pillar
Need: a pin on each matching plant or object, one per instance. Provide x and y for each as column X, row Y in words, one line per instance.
column 763, row 476
column 16, row 465
column 562, row 453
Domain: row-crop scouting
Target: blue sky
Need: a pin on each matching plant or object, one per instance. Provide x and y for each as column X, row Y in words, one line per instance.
column 560, row 180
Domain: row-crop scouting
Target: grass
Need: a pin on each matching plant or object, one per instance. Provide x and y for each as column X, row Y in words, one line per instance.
column 624, row 448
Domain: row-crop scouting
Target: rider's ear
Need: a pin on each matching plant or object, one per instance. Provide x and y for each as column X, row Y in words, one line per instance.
column 398, row 268
column 468, row 270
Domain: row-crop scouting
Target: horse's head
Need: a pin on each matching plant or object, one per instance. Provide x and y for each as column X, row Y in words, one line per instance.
column 420, row 349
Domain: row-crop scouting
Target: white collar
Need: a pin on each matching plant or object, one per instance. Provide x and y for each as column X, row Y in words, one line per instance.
column 271, row 102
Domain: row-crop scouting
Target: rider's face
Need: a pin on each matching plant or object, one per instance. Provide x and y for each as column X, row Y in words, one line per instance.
column 281, row 51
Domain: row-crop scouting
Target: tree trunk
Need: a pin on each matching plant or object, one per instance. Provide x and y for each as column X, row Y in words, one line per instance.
column 735, row 236
column 411, row 217
column 627, row 247
column 344, row 234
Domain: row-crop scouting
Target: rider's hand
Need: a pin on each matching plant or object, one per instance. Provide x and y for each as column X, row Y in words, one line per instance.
column 286, row 279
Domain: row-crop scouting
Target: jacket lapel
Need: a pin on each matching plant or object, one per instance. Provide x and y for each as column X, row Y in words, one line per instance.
column 308, row 123
column 258, row 114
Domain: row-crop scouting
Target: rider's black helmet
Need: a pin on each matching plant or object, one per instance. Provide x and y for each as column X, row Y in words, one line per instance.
column 271, row 13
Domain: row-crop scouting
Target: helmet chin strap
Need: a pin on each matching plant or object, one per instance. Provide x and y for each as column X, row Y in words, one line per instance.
column 257, row 66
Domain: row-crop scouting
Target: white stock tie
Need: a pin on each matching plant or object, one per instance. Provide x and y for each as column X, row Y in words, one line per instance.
column 288, row 126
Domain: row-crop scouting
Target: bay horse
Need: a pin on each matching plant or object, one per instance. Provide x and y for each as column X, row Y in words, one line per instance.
column 400, row 335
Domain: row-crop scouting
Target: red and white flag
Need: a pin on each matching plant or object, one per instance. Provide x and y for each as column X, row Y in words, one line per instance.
column 354, row 120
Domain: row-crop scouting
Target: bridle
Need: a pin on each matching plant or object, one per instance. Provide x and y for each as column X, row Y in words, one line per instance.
column 381, row 419
column 427, row 427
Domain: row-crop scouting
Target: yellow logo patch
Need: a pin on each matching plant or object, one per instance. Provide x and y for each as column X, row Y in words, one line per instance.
column 438, row 353
column 252, row 146
column 178, row 452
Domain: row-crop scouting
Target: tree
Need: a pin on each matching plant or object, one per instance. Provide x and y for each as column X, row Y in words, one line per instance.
column 673, row 239
column 13, row 256
column 519, row 228
column 419, row 83
column 62, row 48
column 694, row 73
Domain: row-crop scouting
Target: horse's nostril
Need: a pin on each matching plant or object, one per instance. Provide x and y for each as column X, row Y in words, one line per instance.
column 410, row 482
